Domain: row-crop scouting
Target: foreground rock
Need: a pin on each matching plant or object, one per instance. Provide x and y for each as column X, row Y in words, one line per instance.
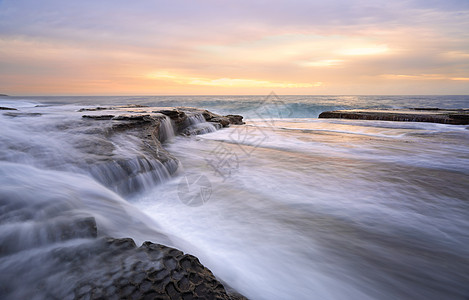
column 432, row 115
column 55, row 245
column 108, row 268
column 151, row 271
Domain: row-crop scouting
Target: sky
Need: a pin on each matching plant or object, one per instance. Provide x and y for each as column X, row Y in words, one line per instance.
column 202, row 47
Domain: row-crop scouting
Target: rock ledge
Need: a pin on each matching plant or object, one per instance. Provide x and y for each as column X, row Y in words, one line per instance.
column 431, row 115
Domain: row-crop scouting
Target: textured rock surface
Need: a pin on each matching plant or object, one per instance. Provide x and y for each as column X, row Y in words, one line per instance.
column 431, row 115
column 107, row 268
column 58, row 255
column 151, row 271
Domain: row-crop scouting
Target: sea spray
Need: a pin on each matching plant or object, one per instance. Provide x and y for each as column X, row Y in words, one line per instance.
column 196, row 124
column 328, row 210
column 166, row 130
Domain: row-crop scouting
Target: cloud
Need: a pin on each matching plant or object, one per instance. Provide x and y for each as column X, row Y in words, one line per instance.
column 370, row 50
column 242, row 44
column 228, row 82
column 322, row 63
column 416, row 77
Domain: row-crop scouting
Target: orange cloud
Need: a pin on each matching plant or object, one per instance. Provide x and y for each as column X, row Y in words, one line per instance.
column 228, row 82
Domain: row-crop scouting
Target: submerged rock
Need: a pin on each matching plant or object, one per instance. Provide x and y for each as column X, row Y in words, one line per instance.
column 431, row 115
column 14, row 239
column 19, row 114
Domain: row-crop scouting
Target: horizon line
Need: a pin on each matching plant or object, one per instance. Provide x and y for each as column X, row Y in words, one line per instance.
column 225, row 95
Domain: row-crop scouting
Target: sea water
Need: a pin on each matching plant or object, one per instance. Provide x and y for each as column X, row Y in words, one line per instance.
column 286, row 207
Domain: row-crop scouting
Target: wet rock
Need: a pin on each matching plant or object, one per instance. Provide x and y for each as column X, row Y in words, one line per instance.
column 425, row 108
column 133, row 131
column 180, row 115
column 151, row 271
column 15, row 114
column 119, row 107
column 235, row 119
column 177, row 116
column 43, row 232
column 127, row 176
column 445, row 116
column 145, row 128
column 460, row 118
column 80, row 228
column 174, row 114
column 95, row 109
column 130, row 117
column 222, row 120
column 98, row 117
column 6, row 108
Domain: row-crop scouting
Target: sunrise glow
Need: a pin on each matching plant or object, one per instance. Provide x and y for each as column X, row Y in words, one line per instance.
column 154, row 48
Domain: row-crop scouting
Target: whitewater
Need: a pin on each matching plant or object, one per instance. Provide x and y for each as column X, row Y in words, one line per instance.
column 287, row 206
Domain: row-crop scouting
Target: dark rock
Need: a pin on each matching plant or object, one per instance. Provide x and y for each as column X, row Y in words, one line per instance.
column 81, row 228
column 6, row 108
column 3, row 95
column 445, row 116
column 98, row 117
column 151, row 271
column 224, row 121
column 460, row 118
column 173, row 114
column 15, row 114
column 177, row 116
column 111, row 108
column 425, row 108
column 235, row 119
column 129, row 117
column 95, row 109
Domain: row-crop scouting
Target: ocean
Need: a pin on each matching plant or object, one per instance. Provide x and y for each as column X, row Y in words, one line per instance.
column 288, row 206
